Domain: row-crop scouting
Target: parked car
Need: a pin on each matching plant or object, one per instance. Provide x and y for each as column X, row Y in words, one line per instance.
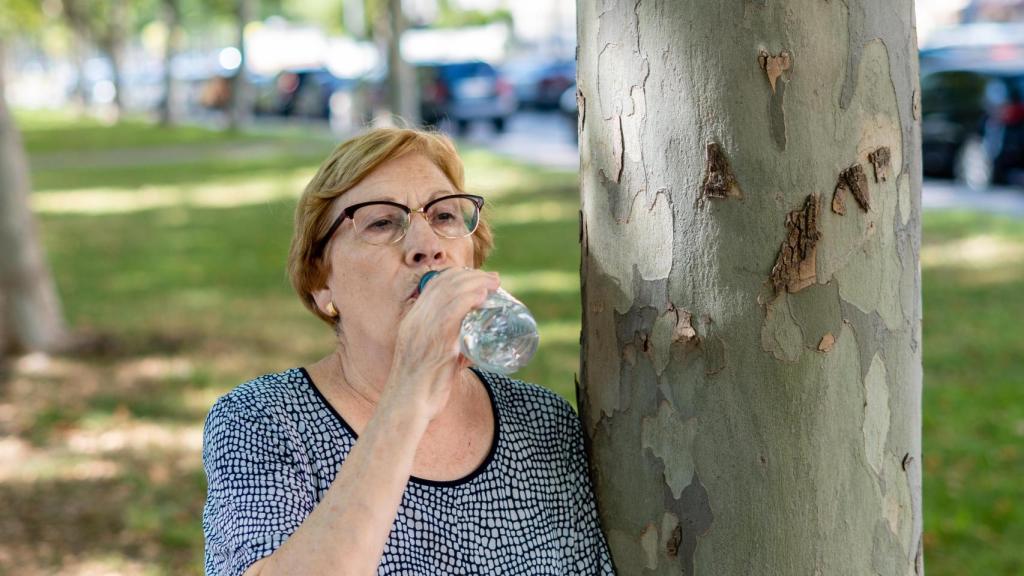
column 307, row 92
column 540, row 83
column 971, row 45
column 972, row 123
column 464, row 92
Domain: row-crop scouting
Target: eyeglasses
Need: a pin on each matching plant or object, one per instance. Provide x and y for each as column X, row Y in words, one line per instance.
column 383, row 222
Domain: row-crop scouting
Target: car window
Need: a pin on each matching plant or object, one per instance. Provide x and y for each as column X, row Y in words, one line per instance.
column 952, row 92
column 1017, row 89
column 997, row 93
column 454, row 72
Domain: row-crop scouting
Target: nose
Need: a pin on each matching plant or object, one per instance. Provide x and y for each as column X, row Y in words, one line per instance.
column 422, row 245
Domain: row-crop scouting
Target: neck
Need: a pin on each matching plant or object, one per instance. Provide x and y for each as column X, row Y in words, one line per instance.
column 360, row 369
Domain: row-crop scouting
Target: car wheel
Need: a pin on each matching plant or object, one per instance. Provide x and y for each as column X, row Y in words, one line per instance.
column 973, row 166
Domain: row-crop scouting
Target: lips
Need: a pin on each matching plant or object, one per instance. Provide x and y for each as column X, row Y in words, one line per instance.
column 416, row 286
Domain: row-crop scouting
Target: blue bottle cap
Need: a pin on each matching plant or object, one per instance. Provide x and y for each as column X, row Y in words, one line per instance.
column 424, row 279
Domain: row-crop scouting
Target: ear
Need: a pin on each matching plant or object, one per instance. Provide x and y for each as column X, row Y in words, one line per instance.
column 322, row 297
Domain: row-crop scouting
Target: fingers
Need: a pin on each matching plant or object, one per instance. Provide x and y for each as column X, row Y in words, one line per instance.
column 459, row 291
column 438, row 313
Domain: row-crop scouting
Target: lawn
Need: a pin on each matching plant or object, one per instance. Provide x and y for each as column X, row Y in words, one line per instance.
column 168, row 247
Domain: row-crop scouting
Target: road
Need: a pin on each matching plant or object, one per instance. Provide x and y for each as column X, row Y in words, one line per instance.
column 547, row 139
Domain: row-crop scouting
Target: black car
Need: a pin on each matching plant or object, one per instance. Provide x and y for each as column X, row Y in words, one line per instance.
column 972, row 123
column 301, row 93
column 463, row 92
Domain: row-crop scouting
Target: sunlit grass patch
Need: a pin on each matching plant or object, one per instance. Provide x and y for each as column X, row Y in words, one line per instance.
column 50, row 131
column 978, row 252
column 220, row 193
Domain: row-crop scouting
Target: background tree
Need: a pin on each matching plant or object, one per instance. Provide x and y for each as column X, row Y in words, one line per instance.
column 170, row 12
column 30, row 312
column 107, row 25
column 403, row 98
column 751, row 381
column 240, row 100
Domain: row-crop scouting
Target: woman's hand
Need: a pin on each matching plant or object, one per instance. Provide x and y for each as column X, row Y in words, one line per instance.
column 427, row 359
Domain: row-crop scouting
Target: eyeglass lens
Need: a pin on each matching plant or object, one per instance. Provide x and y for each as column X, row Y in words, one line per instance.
column 386, row 224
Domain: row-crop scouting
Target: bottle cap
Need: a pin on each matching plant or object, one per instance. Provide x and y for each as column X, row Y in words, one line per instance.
column 424, row 279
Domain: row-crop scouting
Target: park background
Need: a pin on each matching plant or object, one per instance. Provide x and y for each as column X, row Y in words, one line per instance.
column 168, row 244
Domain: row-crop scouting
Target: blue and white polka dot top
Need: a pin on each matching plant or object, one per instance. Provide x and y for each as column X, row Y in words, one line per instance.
column 273, row 446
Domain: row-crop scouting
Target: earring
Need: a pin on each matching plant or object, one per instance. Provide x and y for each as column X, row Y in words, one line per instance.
column 331, row 310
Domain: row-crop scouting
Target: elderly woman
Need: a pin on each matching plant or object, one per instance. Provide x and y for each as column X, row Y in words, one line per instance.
column 392, row 455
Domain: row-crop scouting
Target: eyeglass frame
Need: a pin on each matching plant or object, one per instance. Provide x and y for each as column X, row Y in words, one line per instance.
column 349, row 213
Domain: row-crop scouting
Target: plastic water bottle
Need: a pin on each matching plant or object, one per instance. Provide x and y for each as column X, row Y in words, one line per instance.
column 500, row 335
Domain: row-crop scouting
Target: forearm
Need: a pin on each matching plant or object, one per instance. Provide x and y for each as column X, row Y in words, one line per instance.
column 346, row 533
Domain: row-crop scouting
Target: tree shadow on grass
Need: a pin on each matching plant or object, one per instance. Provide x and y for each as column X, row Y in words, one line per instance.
column 147, row 513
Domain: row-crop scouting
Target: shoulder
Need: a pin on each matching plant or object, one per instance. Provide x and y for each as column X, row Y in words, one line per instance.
column 530, row 401
column 263, row 400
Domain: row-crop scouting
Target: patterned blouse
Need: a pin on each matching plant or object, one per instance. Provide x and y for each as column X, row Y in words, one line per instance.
column 273, row 446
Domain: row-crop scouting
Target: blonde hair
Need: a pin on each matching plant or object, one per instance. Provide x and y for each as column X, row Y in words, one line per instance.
column 349, row 163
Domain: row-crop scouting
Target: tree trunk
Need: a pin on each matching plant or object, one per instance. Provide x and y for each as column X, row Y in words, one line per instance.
column 114, row 41
column 171, row 16
column 751, row 364
column 30, row 315
column 354, row 13
column 79, row 94
column 403, row 95
column 80, row 47
column 239, row 111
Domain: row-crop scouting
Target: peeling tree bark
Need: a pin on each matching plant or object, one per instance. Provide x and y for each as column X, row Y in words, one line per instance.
column 30, row 316
column 751, row 364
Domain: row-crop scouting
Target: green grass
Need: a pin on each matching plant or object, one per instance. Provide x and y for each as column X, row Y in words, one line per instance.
column 45, row 132
column 974, row 397
column 185, row 299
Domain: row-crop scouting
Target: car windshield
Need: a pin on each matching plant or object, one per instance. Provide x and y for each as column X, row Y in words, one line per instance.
column 453, row 72
column 952, row 91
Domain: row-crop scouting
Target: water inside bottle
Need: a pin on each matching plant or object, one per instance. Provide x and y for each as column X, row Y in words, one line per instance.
column 499, row 336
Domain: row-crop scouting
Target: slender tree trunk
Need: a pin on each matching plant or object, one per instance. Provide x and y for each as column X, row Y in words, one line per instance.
column 115, row 46
column 240, row 101
column 402, row 90
column 354, row 12
column 80, row 46
column 30, row 315
column 171, row 15
column 80, row 97
column 751, row 380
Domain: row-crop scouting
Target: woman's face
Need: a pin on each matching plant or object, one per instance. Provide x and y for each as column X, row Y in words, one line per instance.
column 371, row 285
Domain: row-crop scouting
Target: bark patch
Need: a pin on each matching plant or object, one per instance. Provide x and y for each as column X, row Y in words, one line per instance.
column 695, row 522
column 839, row 201
column 581, row 109
column 671, row 439
column 827, row 342
column 719, row 180
column 876, row 414
column 683, row 331
column 795, row 268
column 774, row 66
column 672, row 548
column 881, row 159
column 854, row 181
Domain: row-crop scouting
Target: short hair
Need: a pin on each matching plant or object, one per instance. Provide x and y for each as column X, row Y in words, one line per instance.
column 350, row 163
